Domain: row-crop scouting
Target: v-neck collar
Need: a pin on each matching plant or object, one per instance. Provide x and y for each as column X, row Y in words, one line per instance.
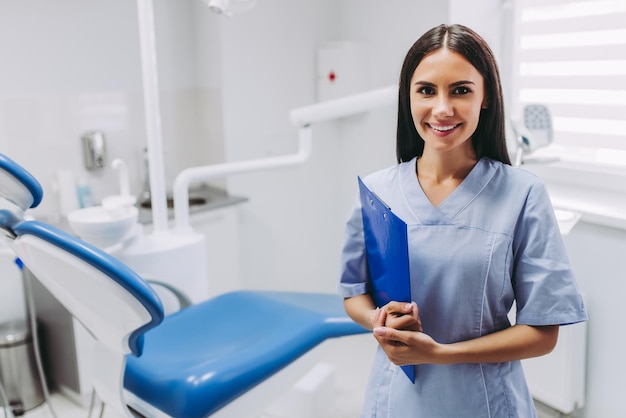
column 425, row 212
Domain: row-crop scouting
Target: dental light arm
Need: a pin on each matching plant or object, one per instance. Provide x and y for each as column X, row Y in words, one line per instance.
column 345, row 106
column 302, row 118
column 202, row 173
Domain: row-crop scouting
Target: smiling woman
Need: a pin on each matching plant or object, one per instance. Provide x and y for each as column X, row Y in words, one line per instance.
column 446, row 105
column 480, row 235
column 489, row 132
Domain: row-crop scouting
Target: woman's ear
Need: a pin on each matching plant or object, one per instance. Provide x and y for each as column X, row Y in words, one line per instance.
column 485, row 104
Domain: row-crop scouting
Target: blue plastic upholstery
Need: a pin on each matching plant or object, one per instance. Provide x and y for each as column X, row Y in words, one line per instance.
column 207, row 355
column 108, row 265
column 24, row 177
column 194, row 362
column 8, row 220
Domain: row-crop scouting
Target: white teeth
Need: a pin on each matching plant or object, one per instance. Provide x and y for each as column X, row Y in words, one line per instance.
column 443, row 128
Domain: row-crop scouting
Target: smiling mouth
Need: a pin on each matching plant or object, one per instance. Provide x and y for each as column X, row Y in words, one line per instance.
column 444, row 128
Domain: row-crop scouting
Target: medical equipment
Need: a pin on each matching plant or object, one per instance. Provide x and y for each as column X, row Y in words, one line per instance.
column 534, row 132
column 194, row 363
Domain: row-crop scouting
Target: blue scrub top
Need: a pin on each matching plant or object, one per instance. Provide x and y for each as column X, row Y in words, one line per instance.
column 494, row 240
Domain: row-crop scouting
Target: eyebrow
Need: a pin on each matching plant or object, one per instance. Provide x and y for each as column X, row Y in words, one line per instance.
column 455, row 84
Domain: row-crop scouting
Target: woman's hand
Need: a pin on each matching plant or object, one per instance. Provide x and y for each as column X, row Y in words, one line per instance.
column 514, row 343
column 407, row 347
column 400, row 315
column 398, row 330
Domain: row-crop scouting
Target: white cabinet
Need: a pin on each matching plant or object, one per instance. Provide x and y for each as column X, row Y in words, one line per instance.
column 220, row 227
column 221, row 230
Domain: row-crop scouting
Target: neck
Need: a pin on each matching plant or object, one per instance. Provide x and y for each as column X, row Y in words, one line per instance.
column 440, row 167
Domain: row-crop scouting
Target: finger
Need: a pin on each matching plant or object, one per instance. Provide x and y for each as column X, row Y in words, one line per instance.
column 417, row 316
column 378, row 318
column 381, row 319
column 398, row 307
column 389, row 334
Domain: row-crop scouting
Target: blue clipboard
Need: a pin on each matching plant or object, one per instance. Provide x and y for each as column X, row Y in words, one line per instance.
column 387, row 250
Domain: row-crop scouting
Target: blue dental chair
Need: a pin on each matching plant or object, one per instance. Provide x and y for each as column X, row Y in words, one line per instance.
column 194, row 363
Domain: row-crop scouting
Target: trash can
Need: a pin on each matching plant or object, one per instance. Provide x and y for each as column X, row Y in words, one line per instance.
column 18, row 370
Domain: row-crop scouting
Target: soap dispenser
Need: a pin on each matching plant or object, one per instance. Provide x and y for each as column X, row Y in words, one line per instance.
column 94, row 150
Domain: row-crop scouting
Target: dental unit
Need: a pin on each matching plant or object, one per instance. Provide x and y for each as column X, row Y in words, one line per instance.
column 191, row 364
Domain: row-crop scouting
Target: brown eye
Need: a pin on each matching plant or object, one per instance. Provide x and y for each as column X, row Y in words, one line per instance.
column 426, row 90
column 461, row 90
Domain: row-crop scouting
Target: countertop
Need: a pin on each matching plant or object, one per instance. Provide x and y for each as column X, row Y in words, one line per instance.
column 201, row 199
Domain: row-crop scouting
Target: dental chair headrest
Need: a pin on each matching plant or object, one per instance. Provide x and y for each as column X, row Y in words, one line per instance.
column 17, row 185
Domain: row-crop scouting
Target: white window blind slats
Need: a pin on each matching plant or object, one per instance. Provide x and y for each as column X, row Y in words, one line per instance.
column 590, row 126
column 588, row 141
column 581, row 24
column 573, row 68
column 610, row 83
column 537, row 10
column 587, row 53
column 591, row 112
column 538, row 3
column 571, row 56
column 607, row 99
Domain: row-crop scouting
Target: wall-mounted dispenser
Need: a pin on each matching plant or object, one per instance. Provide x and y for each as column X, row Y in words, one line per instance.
column 94, row 150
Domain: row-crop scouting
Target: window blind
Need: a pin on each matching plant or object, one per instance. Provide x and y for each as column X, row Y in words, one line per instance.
column 571, row 56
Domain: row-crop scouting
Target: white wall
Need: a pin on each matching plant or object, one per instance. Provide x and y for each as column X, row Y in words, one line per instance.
column 71, row 66
column 68, row 67
column 293, row 225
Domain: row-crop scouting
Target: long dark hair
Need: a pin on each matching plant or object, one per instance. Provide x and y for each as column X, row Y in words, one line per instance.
column 489, row 138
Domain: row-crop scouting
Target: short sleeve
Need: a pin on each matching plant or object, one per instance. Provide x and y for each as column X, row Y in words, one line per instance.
column 545, row 287
column 353, row 279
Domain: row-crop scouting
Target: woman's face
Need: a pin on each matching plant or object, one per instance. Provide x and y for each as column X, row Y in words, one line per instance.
column 447, row 94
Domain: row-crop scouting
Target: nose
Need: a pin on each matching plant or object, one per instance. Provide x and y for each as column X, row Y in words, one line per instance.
column 443, row 107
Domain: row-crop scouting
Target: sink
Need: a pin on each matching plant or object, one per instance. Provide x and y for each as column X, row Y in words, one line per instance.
column 202, row 198
column 193, row 201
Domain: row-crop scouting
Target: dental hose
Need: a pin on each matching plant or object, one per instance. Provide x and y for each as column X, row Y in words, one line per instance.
column 31, row 314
